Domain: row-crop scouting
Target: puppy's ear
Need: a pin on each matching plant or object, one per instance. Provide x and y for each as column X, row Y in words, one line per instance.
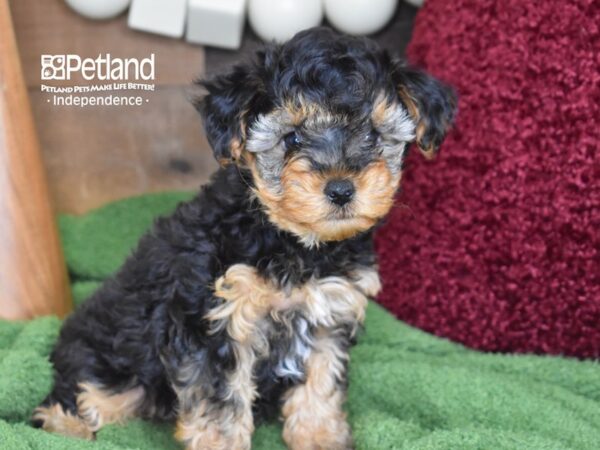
column 231, row 100
column 431, row 104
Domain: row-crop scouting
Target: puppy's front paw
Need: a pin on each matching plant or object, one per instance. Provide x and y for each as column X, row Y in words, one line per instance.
column 214, row 437
column 318, row 435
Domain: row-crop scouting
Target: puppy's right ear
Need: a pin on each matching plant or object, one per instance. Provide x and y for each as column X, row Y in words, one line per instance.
column 230, row 101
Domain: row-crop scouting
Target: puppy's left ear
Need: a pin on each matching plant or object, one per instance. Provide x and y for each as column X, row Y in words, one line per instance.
column 431, row 104
column 227, row 107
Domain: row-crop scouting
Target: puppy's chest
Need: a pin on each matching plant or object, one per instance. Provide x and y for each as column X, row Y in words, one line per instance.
column 279, row 325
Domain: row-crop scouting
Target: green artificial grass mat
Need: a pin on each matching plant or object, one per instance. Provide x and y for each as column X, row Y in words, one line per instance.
column 408, row 389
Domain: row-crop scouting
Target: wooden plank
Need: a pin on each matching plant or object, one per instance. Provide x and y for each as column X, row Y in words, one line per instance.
column 33, row 279
column 99, row 154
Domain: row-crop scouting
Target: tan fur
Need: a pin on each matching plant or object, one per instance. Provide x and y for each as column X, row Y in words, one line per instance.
column 367, row 281
column 430, row 151
column 410, row 103
column 421, row 124
column 98, row 407
column 381, row 111
column 247, row 297
column 313, row 414
column 301, row 207
column 375, row 189
column 95, row 408
column 237, row 149
column 237, row 145
column 302, row 112
column 57, row 420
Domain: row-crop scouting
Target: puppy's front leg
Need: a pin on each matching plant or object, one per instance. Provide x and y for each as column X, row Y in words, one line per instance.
column 213, row 420
column 216, row 413
column 314, row 418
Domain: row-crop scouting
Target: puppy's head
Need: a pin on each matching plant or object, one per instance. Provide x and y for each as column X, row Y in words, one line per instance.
column 322, row 123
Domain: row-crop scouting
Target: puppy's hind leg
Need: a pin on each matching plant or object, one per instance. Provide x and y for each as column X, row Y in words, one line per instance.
column 56, row 418
column 98, row 406
column 58, row 413
column 82, row 412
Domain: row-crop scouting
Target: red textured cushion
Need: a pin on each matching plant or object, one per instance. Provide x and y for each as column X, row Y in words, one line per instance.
column 496, row 244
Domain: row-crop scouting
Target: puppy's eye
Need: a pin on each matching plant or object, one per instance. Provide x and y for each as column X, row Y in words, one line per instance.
column 372, row 137
column 292, row 141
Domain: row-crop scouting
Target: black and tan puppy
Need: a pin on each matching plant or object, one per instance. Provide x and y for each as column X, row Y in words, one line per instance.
column 246, row 300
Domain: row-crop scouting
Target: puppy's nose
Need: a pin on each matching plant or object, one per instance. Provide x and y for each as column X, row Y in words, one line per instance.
column 339, row 192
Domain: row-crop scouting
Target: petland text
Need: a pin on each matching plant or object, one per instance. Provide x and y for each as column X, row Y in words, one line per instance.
column 103, row 68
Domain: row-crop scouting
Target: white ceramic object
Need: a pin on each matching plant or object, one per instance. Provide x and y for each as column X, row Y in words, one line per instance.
column 166, row 17
column 99, row 9
column 360, row 17
column 279, row 20
column 218, row 23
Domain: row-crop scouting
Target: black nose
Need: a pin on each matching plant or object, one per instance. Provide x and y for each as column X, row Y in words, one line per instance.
column 339, row 192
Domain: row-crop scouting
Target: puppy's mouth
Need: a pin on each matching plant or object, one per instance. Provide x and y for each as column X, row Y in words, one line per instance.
column 357, row 223
column 341, row 227
column 349, row 213
column 341, row 214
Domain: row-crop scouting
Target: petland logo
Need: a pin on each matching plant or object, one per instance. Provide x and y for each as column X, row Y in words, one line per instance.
column 107, row 81
column 103, row 68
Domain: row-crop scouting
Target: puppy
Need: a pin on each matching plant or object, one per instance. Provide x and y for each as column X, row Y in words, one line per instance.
column 244, row 302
